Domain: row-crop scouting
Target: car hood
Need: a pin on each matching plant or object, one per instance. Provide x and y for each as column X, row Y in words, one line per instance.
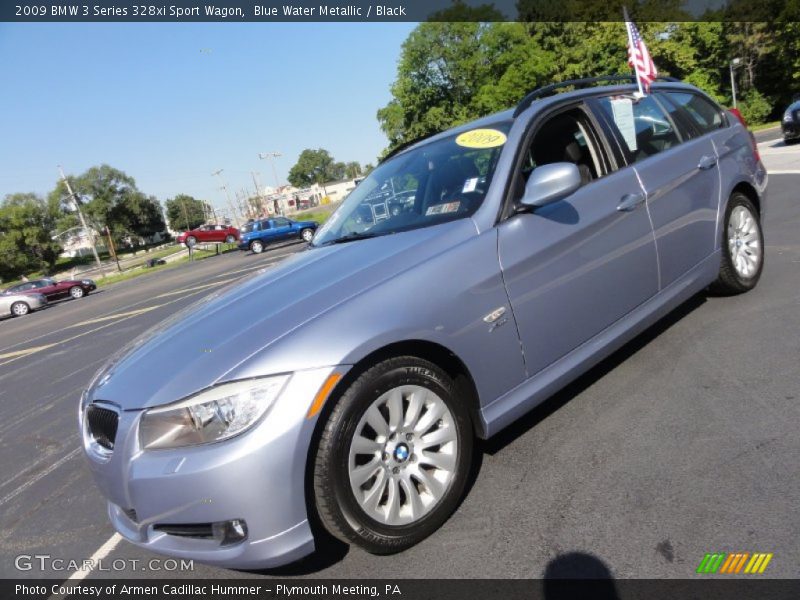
column 210, row 341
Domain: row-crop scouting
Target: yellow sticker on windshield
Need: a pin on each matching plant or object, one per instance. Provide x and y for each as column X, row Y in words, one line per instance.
column 481, row 138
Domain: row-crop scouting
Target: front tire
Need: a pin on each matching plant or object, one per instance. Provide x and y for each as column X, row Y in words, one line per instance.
column 76, row 292
column 20, row 309
column 742, row 248
column 257, row 247
column 307, row 235
column 394, row 456
column 191, row 241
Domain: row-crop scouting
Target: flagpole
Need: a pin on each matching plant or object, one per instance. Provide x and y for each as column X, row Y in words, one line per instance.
column 630, row 47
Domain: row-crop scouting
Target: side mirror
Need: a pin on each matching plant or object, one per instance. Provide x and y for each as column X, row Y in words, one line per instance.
column 550, row 183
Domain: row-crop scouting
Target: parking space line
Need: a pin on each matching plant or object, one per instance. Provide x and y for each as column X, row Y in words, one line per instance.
column 131, row 313
column 11, row 495
column 101, row 553
column 192, row 289
column 25, row 352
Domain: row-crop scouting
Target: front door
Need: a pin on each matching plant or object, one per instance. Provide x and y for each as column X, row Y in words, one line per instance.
column 576, row 266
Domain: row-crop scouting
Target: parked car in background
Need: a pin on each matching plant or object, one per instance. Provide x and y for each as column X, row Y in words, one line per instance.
column 55, row 290
column 209, row 234
column 790, row 124
column 256, row 235
column 18, row 305
column 349, row 384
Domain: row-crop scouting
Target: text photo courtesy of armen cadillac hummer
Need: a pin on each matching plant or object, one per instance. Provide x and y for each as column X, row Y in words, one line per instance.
column 481, row 294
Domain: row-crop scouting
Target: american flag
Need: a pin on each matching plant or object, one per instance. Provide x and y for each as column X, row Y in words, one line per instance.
column 638, row 56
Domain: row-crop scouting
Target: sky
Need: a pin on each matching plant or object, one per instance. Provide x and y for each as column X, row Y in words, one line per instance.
column 171, row 103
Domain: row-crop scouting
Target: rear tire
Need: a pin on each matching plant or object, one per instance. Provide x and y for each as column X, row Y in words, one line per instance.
column 76, row 292
column 742, row 248
column 257, row 247
column 403, row 429
column 230, row 239
column 20, row 309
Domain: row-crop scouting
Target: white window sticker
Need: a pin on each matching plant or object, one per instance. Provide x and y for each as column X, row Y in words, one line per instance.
column 469, row 185
column 622, row 110
column 440, row 209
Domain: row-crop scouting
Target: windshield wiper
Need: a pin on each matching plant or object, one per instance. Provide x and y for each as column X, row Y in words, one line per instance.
column 352, row 237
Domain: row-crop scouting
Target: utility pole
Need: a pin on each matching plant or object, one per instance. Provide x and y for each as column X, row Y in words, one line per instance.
column 112, row 249
column 77, row 203
column 259, row 195
column 185, row 215
column 218, row 173
column 272, row 156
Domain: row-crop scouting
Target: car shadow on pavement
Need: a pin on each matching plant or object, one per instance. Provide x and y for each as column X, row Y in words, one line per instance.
column 328, row 551
column 571, row 575
column 560, row 398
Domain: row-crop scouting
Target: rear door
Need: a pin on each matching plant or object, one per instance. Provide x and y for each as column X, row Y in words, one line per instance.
column 574, row 267
column 679, row 174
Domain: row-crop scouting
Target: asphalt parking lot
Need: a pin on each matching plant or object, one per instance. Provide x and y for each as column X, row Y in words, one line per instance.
column 682, row 443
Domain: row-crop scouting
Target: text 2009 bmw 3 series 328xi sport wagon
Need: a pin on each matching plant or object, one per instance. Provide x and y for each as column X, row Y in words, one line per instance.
column 467, row 278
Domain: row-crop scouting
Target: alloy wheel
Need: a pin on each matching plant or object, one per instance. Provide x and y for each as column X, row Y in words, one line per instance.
column 403, row 455
column 744, row 242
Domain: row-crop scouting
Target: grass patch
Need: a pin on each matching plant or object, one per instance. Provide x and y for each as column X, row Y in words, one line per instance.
column 133, row 273
column 769, row 125
column 320, row 216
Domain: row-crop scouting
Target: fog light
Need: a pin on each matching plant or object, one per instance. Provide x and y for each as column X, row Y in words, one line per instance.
column 229, row 532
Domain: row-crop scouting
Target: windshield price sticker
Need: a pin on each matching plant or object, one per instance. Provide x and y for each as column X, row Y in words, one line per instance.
column 481, row 138
column 440, row 209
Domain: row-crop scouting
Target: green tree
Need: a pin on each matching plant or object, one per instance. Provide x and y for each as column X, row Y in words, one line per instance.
column 109, row 198
column 185, row 212
column 313, row 166
column 352, row 170
column 26, row 228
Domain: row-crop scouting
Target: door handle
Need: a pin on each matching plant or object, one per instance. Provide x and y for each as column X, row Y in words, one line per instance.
column 707, row 162
column 630, row 202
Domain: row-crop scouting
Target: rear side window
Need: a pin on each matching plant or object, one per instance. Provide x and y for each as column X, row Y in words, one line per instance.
column 703, row 113
column 641, row 124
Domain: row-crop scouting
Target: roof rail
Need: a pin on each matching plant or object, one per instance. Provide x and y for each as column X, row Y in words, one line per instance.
column 578, row 83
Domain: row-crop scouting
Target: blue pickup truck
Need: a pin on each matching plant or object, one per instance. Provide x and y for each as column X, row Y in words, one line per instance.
column 256, row 235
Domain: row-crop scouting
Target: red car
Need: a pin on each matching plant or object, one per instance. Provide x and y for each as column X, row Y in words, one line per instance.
column 209, row 234
column 53, row 290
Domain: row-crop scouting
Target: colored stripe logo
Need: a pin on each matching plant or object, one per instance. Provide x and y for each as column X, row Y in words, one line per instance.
column 733, row 563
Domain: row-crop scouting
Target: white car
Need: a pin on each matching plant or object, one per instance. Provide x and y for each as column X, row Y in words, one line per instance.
column 18, row 305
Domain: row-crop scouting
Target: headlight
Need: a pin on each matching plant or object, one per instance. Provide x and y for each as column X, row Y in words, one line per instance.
column 211, row 416
column 787, row 116
column 87, row 281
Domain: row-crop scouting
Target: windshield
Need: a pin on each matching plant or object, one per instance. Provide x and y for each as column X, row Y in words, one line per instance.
column 437, row 182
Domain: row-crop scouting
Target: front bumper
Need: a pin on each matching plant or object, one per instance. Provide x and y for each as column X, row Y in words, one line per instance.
column 258, row 476
column 791, row 130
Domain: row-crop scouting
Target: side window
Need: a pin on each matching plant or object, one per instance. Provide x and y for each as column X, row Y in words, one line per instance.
column 566, row 137
column 642, row 125
column 701, row 111
column 281, row 222
column 265, row 225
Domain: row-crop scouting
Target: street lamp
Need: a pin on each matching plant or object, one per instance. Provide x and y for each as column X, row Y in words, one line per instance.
column 272, row 156
column 234, row 215
column 736, row 62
